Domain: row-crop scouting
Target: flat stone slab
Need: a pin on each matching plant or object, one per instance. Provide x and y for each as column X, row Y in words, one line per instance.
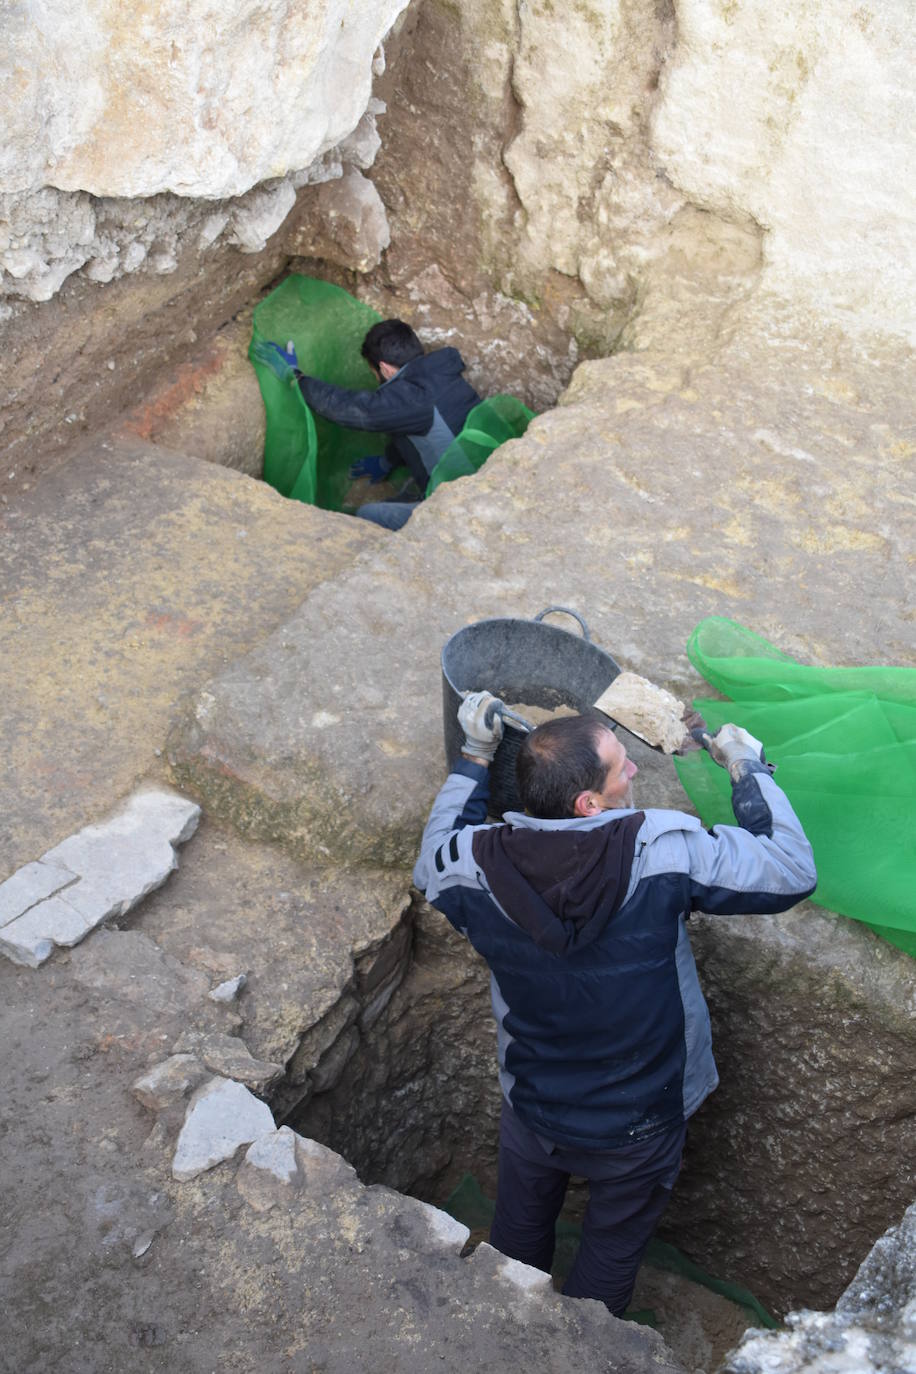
column 102, row 871
column 221, row 1116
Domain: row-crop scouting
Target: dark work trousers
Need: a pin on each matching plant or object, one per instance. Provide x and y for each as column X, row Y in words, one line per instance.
column 391, row 515
column 628, row 1189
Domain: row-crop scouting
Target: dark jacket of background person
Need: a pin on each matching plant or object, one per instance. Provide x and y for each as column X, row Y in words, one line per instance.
column 423, row 407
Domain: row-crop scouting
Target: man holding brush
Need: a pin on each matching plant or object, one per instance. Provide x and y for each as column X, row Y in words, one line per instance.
column 579, row 907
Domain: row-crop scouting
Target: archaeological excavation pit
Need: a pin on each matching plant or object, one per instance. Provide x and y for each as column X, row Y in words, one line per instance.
column 409, row 1096
column 677, row 233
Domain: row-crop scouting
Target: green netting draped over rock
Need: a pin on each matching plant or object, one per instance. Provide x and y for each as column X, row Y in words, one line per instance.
column 487, row 426
column 844, row 740
column 306, row 457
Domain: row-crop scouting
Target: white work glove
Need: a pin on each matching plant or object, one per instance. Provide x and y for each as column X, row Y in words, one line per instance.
column 733, row 747
column 479, row 718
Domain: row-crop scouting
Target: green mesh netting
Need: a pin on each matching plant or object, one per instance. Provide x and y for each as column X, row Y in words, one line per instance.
column 844, row 740
column 306, row 457
column 474, row 1209
column 487, row 426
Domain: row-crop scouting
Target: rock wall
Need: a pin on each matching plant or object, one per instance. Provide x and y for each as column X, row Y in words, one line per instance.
column 594, row 157
column 802, row 119
column 602, row 160
column 129, row 134
column 872, row 1330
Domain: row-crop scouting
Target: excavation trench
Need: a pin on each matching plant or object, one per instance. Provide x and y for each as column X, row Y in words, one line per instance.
column 408, row 1094
column 400, row 1078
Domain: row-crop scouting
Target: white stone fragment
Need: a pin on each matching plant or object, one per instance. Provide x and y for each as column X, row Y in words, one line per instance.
column 30, row 885
column 102, row 871
column 445, row 1228
column 260, row 214
column 276, row 1154
column 221, row 1116
column 524, row 1276
column 24, row 942
column 228, row 991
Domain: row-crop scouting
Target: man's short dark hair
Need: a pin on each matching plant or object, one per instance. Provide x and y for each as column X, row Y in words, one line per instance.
column 556, row 762
column 391, row 341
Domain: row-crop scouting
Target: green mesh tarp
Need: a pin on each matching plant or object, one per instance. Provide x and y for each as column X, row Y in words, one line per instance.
column 469, row 1205
column 844, row 740
column 306, row 457
column 487, row 426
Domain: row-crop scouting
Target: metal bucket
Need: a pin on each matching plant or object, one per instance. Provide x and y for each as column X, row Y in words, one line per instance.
column 519, row 661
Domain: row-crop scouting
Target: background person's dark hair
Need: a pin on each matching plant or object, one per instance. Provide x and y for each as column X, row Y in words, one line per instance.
column 391, row 341
column 556, row 762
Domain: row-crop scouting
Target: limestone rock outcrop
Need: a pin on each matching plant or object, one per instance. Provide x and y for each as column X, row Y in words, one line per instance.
column 802, row 122
column 612, row 157
column 656, row 495
column 115, row 121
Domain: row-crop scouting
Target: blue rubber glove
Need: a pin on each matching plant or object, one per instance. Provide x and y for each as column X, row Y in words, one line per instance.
column 376, row 467
column 281, row 361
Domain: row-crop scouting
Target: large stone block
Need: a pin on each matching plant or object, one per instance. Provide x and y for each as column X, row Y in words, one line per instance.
column 127, row 575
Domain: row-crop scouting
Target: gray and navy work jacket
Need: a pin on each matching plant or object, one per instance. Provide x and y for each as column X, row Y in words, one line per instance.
column 423, row 407
column 603, row 1031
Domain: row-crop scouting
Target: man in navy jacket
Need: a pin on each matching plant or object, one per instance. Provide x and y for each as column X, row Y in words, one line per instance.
column 579, row 907
column 423, row 402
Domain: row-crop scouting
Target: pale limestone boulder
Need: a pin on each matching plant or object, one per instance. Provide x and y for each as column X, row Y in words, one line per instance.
column 126, row 141
column 199, row 99
column 803, row 119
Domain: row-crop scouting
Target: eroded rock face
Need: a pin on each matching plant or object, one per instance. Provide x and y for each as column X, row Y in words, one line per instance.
column 605, row 160
column 872, row 1331
column 802, row 121
column 107, row 108
column 803, row 1155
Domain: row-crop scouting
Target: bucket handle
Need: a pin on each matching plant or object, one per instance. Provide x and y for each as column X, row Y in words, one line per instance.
column 548, row 610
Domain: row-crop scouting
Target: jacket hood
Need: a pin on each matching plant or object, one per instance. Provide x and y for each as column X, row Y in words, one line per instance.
column 560, row 886
column 441, row 362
